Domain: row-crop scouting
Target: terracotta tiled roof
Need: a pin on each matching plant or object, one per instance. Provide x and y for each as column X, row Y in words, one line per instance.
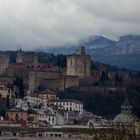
column 47, row 91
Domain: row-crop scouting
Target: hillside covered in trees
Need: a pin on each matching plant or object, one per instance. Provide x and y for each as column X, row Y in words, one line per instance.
column 106, row 104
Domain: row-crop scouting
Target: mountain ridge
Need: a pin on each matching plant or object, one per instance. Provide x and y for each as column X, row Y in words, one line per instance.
column 123, row 53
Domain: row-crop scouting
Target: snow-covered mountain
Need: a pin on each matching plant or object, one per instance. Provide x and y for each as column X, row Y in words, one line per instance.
column 127, row 45
column 92, row 43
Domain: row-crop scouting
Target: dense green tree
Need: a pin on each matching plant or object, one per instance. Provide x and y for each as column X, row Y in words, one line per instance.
column 31, row 111
column 106, row 104
column 20, row 87
column 61, row 60
column 3, row 111
column 118, row 79
column 7, row 101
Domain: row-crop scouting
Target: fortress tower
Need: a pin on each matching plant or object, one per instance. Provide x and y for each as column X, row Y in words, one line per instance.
column 26, row 58
column 79, row 64
column 4, row 63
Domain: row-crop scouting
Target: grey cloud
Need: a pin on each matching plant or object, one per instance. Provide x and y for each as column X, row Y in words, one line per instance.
column 35, row 23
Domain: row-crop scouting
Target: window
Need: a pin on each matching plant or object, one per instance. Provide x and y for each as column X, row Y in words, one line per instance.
column 31, row 135
column 59, row 135
column 53, row 119
column 14, row 134
column 32, row 74
column 71, row 62
column 40, row 134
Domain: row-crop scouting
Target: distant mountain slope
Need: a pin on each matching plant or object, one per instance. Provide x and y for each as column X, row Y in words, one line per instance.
column 122, row 61
column 123, row 53
column 92, row 43
column 126, row 45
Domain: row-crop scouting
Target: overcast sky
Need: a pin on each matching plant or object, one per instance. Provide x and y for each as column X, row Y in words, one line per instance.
column 35, row 23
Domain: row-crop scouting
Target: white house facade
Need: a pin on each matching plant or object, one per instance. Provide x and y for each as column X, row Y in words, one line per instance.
column 69, row 105
column 47, row 118
column 33, row 101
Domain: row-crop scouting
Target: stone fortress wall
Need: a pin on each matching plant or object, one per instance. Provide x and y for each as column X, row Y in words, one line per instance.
column 4, row 63
column 37, row 75
column 79, row 64
column 26, row 58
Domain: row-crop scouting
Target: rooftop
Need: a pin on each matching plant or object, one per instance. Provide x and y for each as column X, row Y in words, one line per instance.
column 47, row 91
column 35, row 95
column 65, row 100
column 16, row 110
column 125, row 118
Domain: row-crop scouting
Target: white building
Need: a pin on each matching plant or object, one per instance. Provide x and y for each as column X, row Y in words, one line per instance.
column 33, row 101
column 47, row 118
column 21, row 104
column 30, row 101
column 69, row 105
column 1, row 118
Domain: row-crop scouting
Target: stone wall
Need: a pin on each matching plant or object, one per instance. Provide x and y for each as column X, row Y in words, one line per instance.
column 6, row 80
column 44, row 79
column 54, row 80
column 78, row 65
column 4, row 63
column 26, row 58
column 71, row 81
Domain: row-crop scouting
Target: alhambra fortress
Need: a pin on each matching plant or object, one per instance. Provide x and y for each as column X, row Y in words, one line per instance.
column 41, row 114
column 36, row 74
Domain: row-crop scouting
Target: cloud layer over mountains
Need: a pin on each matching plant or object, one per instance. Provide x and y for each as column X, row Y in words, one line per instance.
column 35, row 23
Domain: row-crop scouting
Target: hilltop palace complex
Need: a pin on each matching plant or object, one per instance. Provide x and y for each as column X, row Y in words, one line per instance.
column 43, row 114
column 37, row 74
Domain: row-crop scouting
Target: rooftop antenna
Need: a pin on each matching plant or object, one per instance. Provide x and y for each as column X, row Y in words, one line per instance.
column 20, row 48
column 17, row 47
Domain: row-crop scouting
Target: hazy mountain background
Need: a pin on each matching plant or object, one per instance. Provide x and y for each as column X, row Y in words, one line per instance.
column 124, row 53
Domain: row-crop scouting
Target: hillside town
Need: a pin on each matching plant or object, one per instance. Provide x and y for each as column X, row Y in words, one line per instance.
column 29, row 89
